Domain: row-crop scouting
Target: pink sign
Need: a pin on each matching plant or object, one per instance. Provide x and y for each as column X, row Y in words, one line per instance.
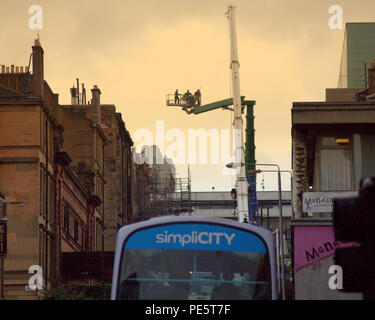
column 313, row 243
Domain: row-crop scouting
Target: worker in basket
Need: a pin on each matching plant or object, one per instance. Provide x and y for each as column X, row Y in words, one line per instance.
column 197, row 96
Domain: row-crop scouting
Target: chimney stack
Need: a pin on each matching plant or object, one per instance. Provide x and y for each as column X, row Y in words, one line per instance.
column 73, row 94
column 95, row 102
column 38, row 70
column 371, row 79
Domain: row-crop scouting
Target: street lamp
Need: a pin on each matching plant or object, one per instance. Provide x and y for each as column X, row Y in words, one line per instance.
column 291, row 183
column 280, row 221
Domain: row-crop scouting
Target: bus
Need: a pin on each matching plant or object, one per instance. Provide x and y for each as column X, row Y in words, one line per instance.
column 194, row 258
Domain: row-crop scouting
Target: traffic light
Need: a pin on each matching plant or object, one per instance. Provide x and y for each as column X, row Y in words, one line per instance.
column 354, row 222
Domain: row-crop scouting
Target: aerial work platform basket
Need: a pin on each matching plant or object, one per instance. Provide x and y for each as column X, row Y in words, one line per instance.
column 183, row 100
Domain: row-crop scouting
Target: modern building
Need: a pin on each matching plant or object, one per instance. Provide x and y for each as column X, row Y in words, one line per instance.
column 357, row 54
column 333, row 148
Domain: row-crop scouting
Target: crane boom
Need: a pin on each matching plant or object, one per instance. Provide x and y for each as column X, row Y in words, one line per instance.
column 247, row 203
column 241, row 183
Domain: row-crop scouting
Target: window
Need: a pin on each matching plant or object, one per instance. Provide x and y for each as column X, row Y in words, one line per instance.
column 84, row 239
column 41, row 248
column 334, row 164
column 51, row 195
column 368, row 156
column 75, row 230
column 66, row 219
column 200, row 274
column 41, row 192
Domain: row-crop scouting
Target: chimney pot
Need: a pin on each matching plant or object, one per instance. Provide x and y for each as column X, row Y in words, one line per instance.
column 95, row 102
column 38, row 70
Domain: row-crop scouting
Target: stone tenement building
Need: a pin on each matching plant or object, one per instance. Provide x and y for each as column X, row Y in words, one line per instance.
column 118, row 167
column 53, row 158
column 117, row 193
column 27, row 126
column 84, row 141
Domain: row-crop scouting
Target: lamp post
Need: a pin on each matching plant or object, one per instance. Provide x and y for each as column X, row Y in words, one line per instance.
column 231, row 165
column 291, row 184
column 280, row 221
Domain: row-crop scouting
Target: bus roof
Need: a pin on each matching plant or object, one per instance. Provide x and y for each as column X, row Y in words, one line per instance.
column 125, row 231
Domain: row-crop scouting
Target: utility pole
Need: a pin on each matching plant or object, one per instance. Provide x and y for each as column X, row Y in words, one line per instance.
column 239, row 164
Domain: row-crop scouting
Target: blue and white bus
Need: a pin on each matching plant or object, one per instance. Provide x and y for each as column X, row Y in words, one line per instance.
column 194, row 258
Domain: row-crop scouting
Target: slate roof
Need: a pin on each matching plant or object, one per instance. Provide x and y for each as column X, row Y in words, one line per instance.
column 7, row 94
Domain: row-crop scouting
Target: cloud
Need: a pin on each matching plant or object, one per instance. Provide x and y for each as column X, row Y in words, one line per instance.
column 138, row 51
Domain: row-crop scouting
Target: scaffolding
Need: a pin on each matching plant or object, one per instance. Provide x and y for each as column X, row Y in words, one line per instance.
column 183, row 195
column 160, row 193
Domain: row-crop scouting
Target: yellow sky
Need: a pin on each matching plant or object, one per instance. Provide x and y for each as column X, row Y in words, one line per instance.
column 138, row 51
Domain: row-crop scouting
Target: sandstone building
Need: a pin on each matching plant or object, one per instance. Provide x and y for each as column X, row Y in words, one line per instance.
column 115, row 160
column 55, row 159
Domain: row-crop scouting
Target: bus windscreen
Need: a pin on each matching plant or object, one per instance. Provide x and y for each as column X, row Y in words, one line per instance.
column 194, row 262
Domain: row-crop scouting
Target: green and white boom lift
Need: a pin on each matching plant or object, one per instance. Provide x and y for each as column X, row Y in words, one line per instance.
column 247, row 205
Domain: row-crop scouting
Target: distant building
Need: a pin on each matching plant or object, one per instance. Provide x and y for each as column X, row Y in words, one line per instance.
column 156, row 184
column 220, row 204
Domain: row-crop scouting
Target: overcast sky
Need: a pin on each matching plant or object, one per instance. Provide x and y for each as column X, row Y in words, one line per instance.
column 138, row 51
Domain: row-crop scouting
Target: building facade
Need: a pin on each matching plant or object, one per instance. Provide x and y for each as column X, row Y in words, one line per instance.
column 51, row 162
column 118, row 205
column 333, row 148
column 74, row 211
column 156, row 184
column 357, row 54
column 84, row 141
column 115, row 162
column 27, row 126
